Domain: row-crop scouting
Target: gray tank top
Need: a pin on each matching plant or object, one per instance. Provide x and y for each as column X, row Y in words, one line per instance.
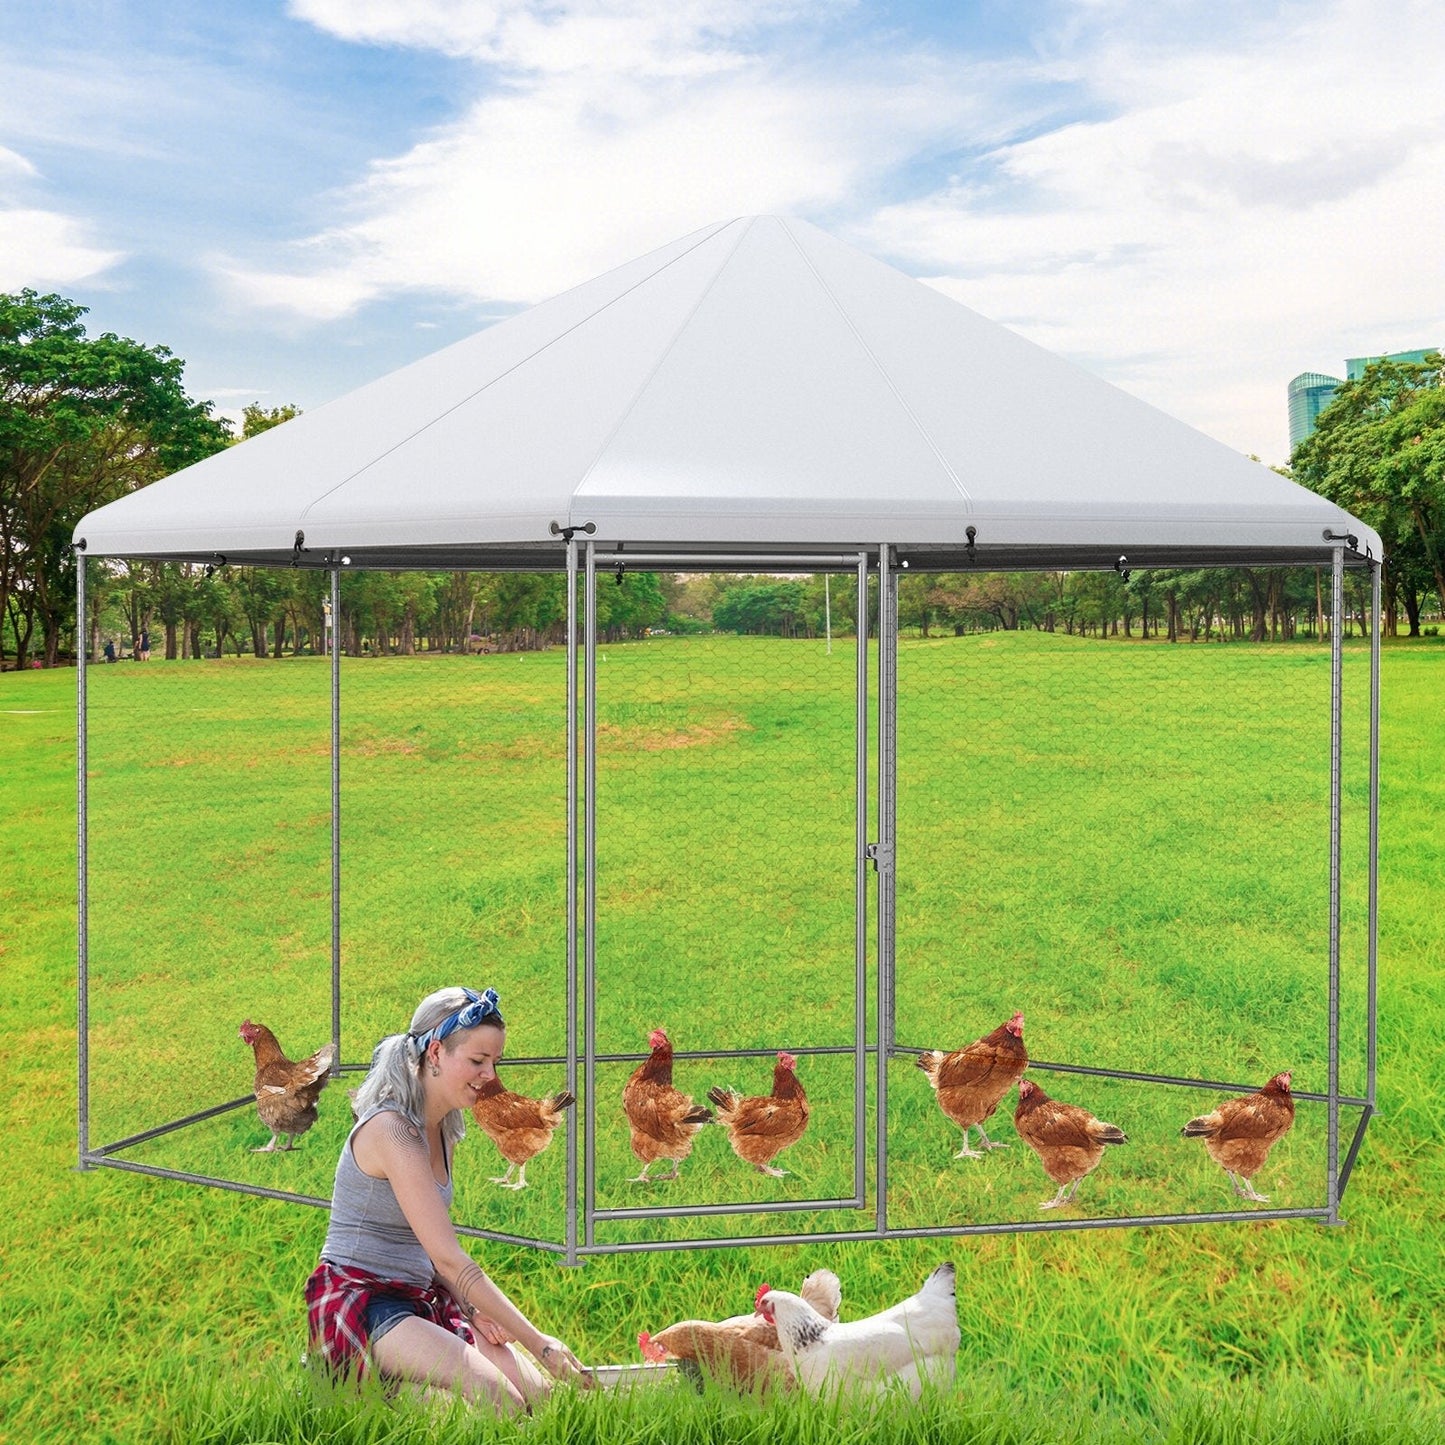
column 368, row 1230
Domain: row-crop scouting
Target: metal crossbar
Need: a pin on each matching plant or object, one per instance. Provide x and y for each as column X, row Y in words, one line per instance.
column 1023, row 1226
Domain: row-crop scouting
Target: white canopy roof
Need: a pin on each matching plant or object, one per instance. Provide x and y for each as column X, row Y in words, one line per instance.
column 755, row 386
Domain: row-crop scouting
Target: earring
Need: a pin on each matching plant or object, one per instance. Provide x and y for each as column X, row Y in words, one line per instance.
column 434, row 1071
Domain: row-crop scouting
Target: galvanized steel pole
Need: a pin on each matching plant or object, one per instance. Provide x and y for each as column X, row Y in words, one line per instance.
column 1332, row 1143
column 860, row 902
column 1374, row 843
column 82, row 1013
column 571, row 724
column 589, row 872
column 883, row 859
column 333, row 642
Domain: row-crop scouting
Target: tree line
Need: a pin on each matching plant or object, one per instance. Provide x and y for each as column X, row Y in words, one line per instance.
column 84, row 420
column 189, row 611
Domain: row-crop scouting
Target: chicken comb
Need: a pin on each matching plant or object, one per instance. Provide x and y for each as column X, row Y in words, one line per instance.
column 758, row 1298
column 650, row 1350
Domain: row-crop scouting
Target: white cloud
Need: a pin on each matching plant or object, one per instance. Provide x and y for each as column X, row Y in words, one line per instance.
column 44, row 248
column 1253, row 192
column 680, row 37
column 1246, row 211
column 14, row 163
column 544, row 182
column 41, row 246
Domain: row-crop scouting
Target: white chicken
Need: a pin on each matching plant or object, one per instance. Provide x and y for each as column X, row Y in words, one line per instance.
column 743, row 1350
column 914, row 1341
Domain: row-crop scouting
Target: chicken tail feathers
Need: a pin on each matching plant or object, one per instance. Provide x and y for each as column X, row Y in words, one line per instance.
column 1111, row 1134
column 723, row 1098
column 943, row 1281
column 697, row 1115
column 1200, row 1128
column 563, row 1100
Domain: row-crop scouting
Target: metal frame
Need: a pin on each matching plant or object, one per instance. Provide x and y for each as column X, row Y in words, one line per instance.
column 333, row 641
column 591, row 1213
column 879, row 1041
column 884, row 860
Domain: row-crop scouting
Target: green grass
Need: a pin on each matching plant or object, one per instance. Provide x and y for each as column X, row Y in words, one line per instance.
column 1294, row 1413
column 1126, row 842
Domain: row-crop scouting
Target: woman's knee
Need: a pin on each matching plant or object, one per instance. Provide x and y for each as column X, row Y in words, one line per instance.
column 484, row 1381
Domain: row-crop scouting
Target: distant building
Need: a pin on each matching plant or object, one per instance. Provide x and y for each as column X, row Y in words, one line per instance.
column 1311, row 391
column 1309, row 394
column 1355, row 367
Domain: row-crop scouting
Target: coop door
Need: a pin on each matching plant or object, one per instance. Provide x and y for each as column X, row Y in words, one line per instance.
column 729, row 882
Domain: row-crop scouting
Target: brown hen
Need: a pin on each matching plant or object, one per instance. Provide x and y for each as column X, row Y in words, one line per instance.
column 286, row 1090
column 742, row 1351
column 761, row 1127
column 1239, row 1134
column 1068, row 1140
column 662, row 1120
column 971, row 1081
column 520, row 1127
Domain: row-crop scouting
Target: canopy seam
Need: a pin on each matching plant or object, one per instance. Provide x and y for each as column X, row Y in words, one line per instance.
column 532, row 355
column 872, row 356
column 666, row 351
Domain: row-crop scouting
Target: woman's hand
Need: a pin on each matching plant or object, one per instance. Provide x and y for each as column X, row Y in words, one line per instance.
column 558, row 1360
column 490, row 1331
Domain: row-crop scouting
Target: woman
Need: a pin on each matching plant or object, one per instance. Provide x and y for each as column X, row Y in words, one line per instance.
column 394, row 1288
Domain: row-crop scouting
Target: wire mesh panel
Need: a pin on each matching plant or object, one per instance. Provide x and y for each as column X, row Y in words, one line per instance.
column 1129, row 842
column 208, row 842
column 452, row 863
column 1126, row 838
column 453, row 869
column 727, row 886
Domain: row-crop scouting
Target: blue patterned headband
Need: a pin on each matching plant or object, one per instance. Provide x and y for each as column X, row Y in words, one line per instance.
column 480, row 1008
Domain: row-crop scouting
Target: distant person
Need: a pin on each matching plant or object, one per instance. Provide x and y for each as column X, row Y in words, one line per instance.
column 109, row 650
column 145, row 646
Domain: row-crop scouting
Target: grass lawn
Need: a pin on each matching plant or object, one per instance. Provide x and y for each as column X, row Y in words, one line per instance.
column 1126, row 842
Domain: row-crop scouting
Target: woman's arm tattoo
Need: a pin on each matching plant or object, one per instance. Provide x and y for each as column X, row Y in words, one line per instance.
column 404, row 1132
column 470, row 1274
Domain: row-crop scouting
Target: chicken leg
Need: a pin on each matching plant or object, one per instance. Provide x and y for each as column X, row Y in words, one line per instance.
column 1064, row 1196
column 984, row 1141
column 966, row 1152
column 505, row 1180
column 1245, row 1189
column 645, row 1178
column 272, row 1148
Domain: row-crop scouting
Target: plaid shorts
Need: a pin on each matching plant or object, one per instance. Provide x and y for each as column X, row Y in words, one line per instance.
column 337, row 1297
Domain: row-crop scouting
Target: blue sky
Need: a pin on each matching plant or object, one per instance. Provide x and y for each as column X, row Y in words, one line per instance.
column 1194, row 200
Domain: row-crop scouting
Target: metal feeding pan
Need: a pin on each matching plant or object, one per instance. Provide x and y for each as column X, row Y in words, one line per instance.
column 630, row 1377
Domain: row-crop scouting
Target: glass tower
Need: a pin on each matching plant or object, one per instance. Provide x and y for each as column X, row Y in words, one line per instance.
column 1355, row 366
column 1309, row 394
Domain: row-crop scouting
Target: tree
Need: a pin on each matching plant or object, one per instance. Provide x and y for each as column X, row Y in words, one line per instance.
column 772, row 606
column 628, row 603
column 1378, row 450
column 262, row 592
column 83, row 420
column 256, row 418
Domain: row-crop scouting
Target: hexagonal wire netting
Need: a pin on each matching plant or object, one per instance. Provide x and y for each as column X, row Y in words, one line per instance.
column 1161, row 854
